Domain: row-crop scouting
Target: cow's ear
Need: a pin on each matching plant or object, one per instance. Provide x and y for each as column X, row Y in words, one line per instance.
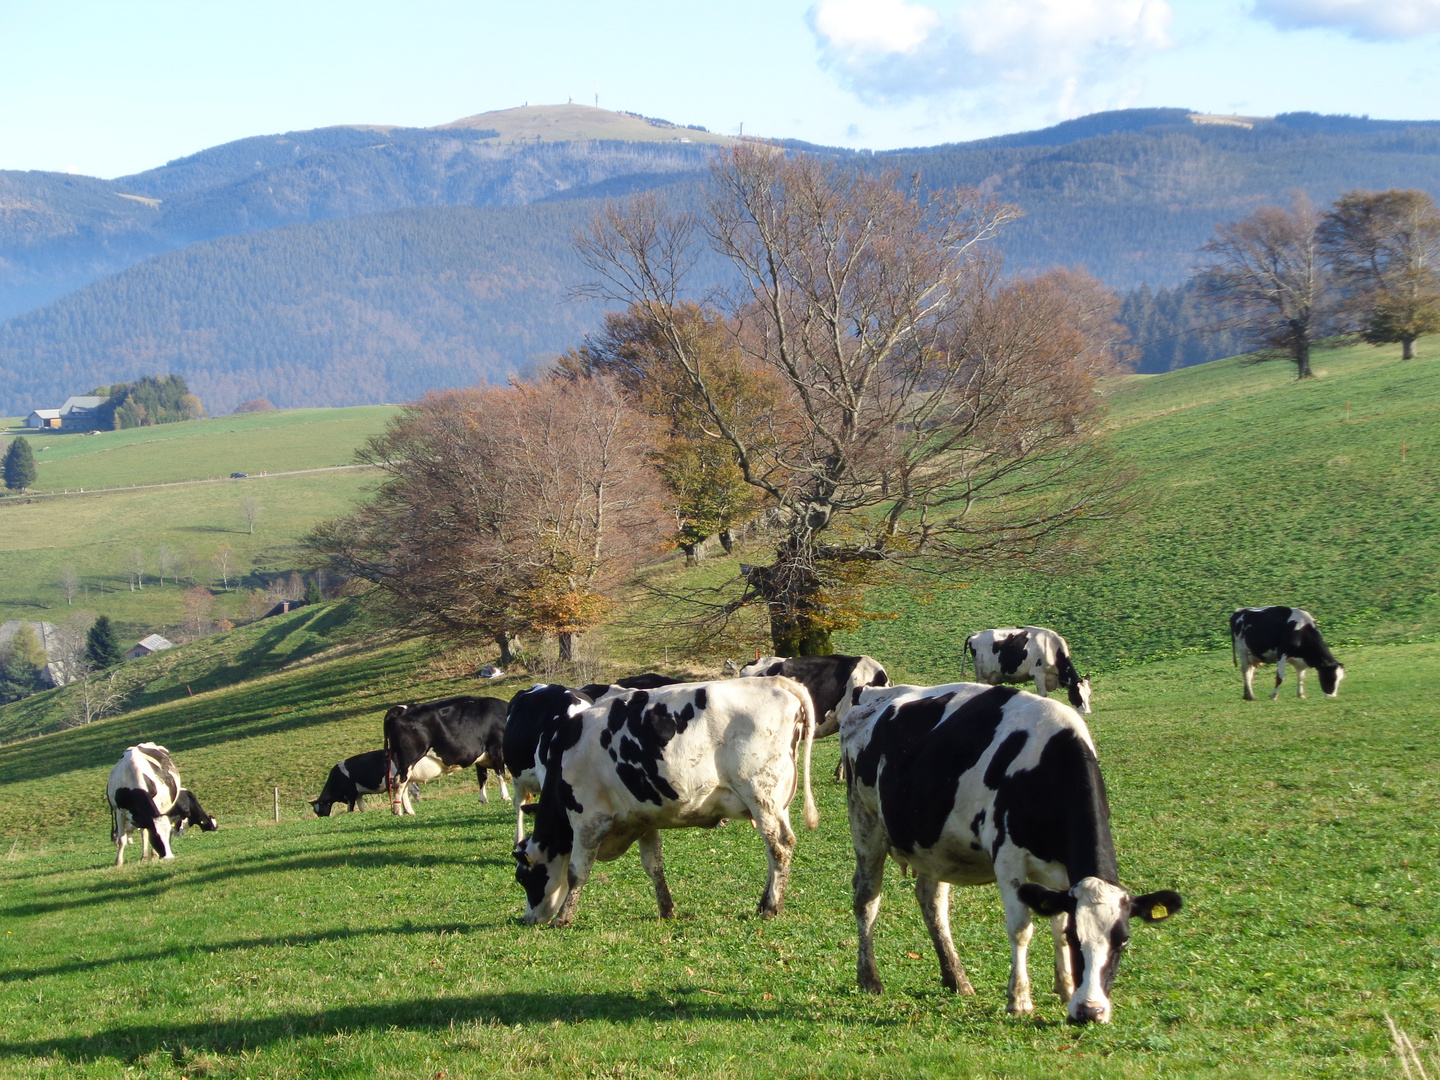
column 1156, row 906
column 1045, row 901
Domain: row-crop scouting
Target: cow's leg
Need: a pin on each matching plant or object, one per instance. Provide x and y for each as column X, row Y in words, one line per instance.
column 519, row 817
column 581, row 860
column 1248, row 674
column 934, row 898
column 1299, row 682
column 122, row 836
column 840, row 769
column 654, row 864
column 1040, row 687
column 483, row 777
column 163, row 848
column 144, row 845
column 871, row 846
column 780, row 845
column 1279, row 677
column 1064, row 974
column 504, row 791
column 1009, row 874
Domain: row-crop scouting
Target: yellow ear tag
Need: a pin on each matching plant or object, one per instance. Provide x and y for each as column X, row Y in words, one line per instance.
column 1159, row 911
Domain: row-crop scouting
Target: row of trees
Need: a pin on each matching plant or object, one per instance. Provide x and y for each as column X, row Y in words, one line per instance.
column 149, row 400
column 1286, row 277
column 871, row 386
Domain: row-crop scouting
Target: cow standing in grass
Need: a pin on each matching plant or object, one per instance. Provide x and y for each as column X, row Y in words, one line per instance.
column 967, row 784
column 1281, row 635
column 441, row 737
column 1019, row 655
column 684, row 756
column 144, row 793
column 354, row 778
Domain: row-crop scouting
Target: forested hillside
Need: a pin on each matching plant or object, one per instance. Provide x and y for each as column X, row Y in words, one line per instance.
column 369, row 309
column 377, row 306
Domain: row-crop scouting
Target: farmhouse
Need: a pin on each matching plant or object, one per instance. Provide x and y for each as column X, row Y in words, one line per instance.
column 147, row 645
column 77, row 414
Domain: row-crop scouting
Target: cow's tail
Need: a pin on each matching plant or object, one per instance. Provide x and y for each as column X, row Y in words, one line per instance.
column 1234, row 654
column 812, row 815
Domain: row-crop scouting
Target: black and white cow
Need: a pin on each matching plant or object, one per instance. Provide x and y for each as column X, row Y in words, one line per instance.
column 1025, row 654
column 967, row 784
column 828, row 678
column 354, row 778
column 441, row 737
column 144, row 793
column 1281, row 635
column 684, row 756
column 650, row 680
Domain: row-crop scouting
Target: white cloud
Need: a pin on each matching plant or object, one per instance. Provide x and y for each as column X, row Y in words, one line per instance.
column 1372, row 20
column 988, row 53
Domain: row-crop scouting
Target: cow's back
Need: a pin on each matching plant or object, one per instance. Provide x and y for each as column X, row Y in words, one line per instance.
column 146, row 767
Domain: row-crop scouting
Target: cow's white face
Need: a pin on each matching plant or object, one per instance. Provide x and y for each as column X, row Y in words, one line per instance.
column 546, row 880
column 1098, row 931
column 1081, row 697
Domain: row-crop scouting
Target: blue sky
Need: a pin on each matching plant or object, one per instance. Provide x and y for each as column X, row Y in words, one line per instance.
column 108, row 88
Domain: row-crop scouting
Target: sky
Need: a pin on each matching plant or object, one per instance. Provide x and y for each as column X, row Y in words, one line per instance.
column 108, row 89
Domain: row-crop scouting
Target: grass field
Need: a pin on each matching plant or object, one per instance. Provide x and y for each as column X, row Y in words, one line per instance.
column 94, row 532
column 1252, row 489
column 1300, row 833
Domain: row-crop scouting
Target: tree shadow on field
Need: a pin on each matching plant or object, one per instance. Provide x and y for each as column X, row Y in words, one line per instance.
column 123, row 887
column 195, row 950
column 421, row 1016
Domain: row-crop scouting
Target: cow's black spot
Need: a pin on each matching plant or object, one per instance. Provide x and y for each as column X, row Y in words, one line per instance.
column 533, row 878
column 702, row 698
column 775, row 669
column 855, row 695
column 605, row 739
column 1004, row 755
column 1010, row 652
column 647, row 732
column 553, row 833
column 880, row 678
column 1058, row 811
column 925, row 756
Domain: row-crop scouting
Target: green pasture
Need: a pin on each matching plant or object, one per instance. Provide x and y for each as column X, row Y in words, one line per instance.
column 1300, row 833
column 215, row 447
column 1251, row 489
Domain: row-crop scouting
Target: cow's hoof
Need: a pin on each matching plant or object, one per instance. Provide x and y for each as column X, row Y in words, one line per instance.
column 667, row 911
column 960, row 985
column 871, row 984
column 1249, row 697
column 1020, row 1008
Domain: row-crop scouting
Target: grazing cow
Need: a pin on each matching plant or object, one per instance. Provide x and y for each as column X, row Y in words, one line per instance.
column 967, row 784
column 1023, row 654
column 648, row 681
column 828, row 678
column 533, row 712
column 684, row 756
column 423, row 741
column 144, row 793
column 354, row 778
column 1281, row 635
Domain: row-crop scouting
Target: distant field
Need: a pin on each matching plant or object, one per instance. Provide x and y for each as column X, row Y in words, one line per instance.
column 95, row 532
column 1300, row 834
column 1252, row 489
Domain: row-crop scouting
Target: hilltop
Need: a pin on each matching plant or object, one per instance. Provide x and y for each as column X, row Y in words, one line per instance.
column 1129, row 194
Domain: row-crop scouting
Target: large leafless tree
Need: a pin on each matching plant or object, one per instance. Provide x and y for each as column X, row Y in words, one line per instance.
column 1267, row 277
column 929, row 414
column 1384, row 251
column 505, row 511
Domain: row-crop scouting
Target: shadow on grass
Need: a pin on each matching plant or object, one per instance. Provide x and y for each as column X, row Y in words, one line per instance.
column 423, row 1015
column 193, row 951
column 124, row 887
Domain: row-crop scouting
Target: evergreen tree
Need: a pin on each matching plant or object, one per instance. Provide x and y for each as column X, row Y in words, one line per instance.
column 102, row 644
column 21, row 664
column 313, row 595
column 19, row 465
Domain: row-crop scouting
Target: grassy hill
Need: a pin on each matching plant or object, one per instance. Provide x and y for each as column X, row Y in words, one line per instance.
column 94, row 532
column 579, row 123
column 1300, row 833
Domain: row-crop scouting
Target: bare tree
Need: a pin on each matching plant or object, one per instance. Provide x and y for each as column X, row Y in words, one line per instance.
column 1384, row 251
column 250, row 508
column 199, row 603
column 1268, row 277
column 69, row 584
column 224, row 563
column 135, row 567
column 505, row 511
column 165, row 561
column 930, row 416
column 91, row 695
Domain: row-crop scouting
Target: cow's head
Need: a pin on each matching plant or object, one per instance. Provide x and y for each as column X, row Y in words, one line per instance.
column 545, row 879
column 1330, row 678
column 321, row 806
column 762, row 665
column 1079, row 694
column 1097, row 931
column 188, row 811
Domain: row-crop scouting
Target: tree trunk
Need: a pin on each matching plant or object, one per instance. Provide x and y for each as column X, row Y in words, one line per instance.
column 1302, row 358
column 798, row 623
column 727, row 541
column 1407, row 348
column 508, row 643
column 567, row 646
column 691, row 558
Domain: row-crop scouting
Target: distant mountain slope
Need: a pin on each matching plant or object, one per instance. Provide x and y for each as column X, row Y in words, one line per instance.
column 375, row 308
column 1130, row 195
